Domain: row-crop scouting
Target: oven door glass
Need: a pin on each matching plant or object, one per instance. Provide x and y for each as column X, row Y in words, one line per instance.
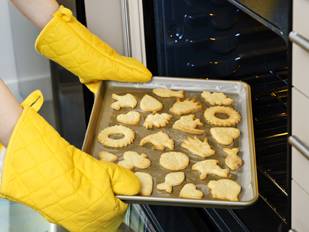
column 218, row 40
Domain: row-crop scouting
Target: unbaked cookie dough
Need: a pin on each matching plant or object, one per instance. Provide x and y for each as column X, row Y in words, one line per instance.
column 159, row 140
column 174, row 161
column 127, row 100
column 104, row 136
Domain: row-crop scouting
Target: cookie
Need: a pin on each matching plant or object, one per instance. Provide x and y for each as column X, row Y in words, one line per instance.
column 225, row 135
column 174, row 161
column 211, row 116
column 105, row 138
column 130, row 118
column 188, row 124
column 132, row 159
column 233, row 161
column 210, row 166
column 185, row 107
column 163, row 92
column 216, row 98
column 170, row 180
column 189, row 191
column 127, row 100
column 150, row 104
column 224, row 189
column 146, row 182
column 157, row 120
column 198, row 147
column 107, row 156
column 159, row 140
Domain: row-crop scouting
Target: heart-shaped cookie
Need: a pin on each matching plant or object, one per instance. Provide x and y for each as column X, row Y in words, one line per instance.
column 150, row 104
column 224, row 135
column 190, row 191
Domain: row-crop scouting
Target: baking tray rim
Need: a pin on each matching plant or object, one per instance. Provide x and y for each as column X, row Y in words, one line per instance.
column 183, row 201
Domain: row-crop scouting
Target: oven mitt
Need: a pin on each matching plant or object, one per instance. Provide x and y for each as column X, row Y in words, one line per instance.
column 70, row 44
column 67, row 186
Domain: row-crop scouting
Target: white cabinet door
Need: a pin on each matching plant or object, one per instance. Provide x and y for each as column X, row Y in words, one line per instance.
column 301, row 17
column 300, row 208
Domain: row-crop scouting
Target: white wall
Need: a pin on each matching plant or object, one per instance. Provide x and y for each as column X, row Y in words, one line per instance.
column 32, row 69
column 7, row 60
column 20, row 66
column 104, row 18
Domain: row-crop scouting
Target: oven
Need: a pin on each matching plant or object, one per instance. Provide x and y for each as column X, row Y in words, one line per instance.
column 245, row 40
column 215, row 39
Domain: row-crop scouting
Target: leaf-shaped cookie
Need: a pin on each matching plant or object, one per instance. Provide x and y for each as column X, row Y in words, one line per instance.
column 188, row 124
column 157, row 120
column 185, row 107
column 198, row 147
column 216, row 98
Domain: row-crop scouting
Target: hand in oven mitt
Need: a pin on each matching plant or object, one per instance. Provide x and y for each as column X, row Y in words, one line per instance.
column 66, row 185
column 70, row 44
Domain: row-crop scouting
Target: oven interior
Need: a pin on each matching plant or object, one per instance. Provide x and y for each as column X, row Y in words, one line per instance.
column 214, row 39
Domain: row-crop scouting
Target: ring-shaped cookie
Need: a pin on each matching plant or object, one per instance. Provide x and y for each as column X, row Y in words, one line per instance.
column 232, row 119
column 128, row 136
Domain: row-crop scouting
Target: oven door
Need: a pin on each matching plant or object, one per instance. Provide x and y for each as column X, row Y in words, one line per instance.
column 219, row 40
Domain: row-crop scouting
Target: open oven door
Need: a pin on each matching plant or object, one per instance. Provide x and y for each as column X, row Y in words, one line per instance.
column 219, row 39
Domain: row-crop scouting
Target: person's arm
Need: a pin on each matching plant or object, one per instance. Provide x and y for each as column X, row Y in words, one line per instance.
column 39, row 12
column 10, row 111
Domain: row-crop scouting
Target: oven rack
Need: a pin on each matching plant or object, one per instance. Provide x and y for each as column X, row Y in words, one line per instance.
column 269, row 96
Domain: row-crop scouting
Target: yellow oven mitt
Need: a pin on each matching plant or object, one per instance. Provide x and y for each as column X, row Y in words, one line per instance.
column 70, row 44
column 66, row 185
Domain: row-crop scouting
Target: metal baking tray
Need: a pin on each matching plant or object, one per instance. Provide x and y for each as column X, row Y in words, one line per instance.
column 103, row 116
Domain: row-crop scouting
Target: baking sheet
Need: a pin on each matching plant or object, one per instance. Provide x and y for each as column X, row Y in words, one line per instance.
column 103, row 116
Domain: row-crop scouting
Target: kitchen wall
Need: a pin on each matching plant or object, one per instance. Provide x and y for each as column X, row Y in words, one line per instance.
column 32, row 69
column 7, row 60
column 20, row 66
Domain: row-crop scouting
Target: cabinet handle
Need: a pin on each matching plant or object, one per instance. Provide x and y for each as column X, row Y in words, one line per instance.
column 302, row 148
column 299, row 40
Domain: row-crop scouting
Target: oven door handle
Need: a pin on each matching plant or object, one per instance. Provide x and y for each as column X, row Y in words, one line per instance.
column 299, row 145
column 299, row 40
